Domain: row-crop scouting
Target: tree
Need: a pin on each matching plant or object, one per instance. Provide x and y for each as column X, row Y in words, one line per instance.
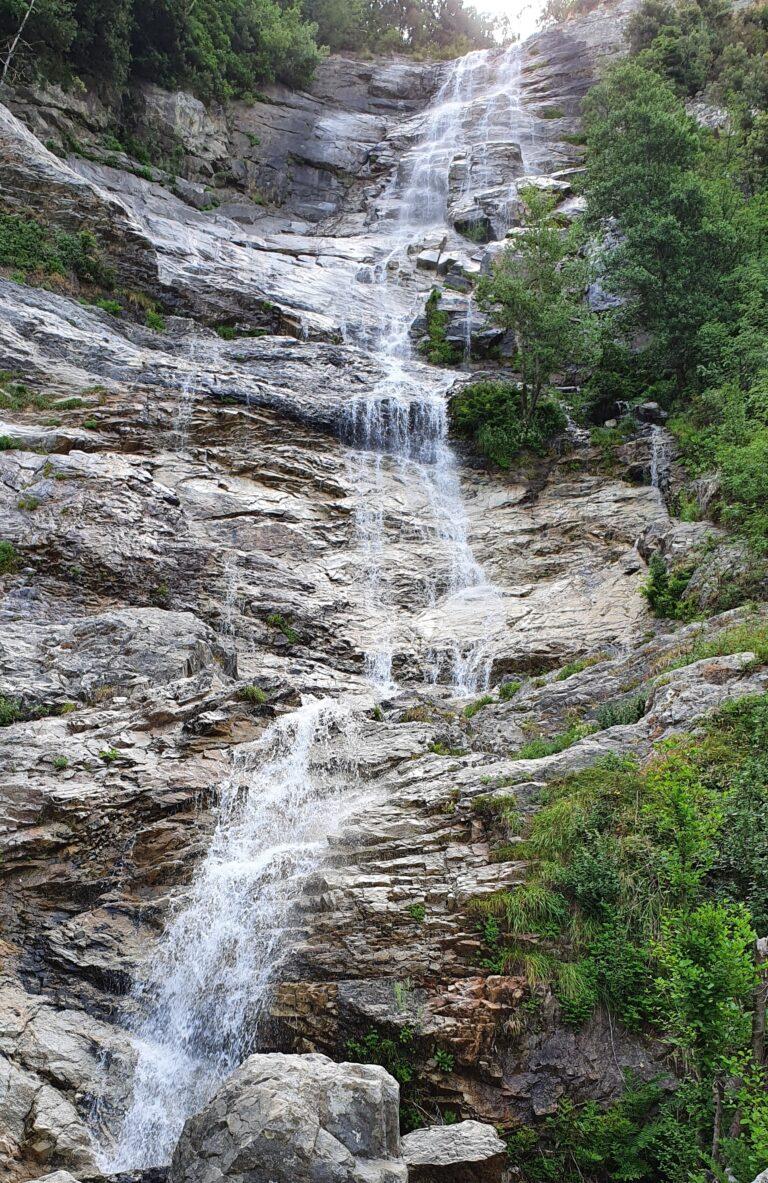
column 678, row 237
column 535, row 291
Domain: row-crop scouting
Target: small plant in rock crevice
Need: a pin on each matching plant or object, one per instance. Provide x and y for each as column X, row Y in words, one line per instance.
column 278, row 621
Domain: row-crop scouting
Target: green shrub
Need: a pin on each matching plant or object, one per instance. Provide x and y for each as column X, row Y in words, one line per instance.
column 28, row 502
column 30, row 246
column 113, row 307
column 278, row 621
column 444, row 1060
column 471, row 709
column 665, row 590
column 508, row 690
column 490, row 413
column 253, row 694
column 10, row 711
column 536, row 749
column 109, row 755
column 60, row 763
column 417, row 912
column 154, row 320
column 439, row 748
column 437, row 349
column 9, row 558
column 7, row 444
column 621, row 712
column 575, row 667
column 749, row 637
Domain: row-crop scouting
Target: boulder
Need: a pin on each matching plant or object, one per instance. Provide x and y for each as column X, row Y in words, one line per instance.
column 468, row 1152
column 56, row 1177
column 295, row 1119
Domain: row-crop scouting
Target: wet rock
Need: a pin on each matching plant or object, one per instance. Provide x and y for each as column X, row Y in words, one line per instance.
column 651, row 412
column 467, row 1152
column 295, row 1119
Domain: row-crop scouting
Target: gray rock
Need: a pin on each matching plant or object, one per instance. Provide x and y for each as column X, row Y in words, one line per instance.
column 468, row 1152
column 295, row 1119
column 56, row 1177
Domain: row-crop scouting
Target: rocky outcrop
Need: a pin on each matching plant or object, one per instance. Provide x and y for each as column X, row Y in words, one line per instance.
column 34, row 181
column 295, row 1119
column 467, row 1152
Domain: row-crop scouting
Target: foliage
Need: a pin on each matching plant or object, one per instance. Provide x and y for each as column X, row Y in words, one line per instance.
column 535, row 292
column 9, row 558
column 620, row 712
column 253, row 694
column 437, row 348
column 749, row 637
column 471, row 709
column 665, row 590
column 508, row 690
column 417, row 912
column 439, row 27
column 575, row 667
column 647, row 885
column 278, row 621
column 493, row 415
column 27, row 245
column 226, row 48
column 645, row 1137
column 536, row 749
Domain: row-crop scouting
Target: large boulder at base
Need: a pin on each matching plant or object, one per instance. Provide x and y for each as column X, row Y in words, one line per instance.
column 295, row 1119
column 468, row 1152
column 56, row 1177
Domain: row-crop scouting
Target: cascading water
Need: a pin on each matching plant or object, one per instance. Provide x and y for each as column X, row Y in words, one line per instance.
column 286, row 794
column 403, row 421
column 290, row 791
column 660, row 457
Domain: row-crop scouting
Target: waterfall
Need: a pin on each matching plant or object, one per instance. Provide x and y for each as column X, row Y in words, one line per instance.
column 401, row 425
column 660, row 457
column 286, row 794
column 200, row 1008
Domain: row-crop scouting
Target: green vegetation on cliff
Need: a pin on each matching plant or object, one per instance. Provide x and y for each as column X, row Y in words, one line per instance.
column 682, row 211
column 500, row 422
column 648, row 889
column 224, row 48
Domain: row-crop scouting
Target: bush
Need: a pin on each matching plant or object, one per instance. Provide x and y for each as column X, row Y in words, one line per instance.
column 253, row 694
column 575, row 667
column 665, row 590
column 29, row 246
column 437, row 349
column 9, row 558
column 471, row 709
column 278, row 621
column 536, row 749
column 490, row 413
column 508, row 690
column 621, row 712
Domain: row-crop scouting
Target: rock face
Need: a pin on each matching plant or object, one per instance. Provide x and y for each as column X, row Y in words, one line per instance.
column 295, row 1119
column 467, row 1152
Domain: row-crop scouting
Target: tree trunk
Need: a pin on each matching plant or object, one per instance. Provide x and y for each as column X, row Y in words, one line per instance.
column 14, row 44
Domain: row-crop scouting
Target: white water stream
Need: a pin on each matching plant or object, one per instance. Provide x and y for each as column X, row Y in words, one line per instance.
column 292, row 789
